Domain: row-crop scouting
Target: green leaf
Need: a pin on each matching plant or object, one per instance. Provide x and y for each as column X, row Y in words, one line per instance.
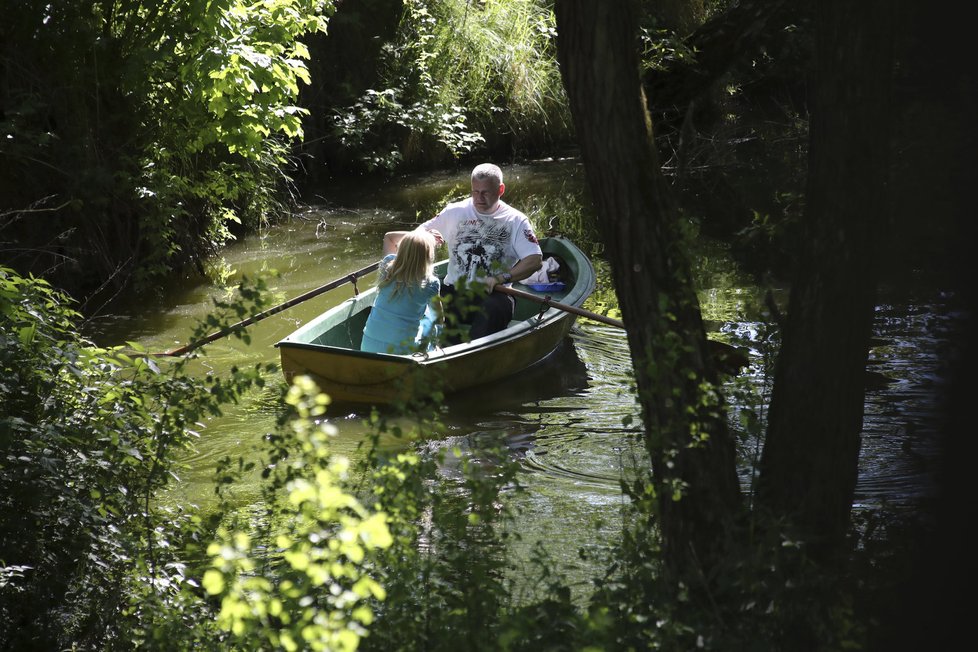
column 26, row 334
column 213, row 582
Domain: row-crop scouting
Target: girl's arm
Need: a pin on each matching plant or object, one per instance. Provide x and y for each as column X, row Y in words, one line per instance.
column 391, row 240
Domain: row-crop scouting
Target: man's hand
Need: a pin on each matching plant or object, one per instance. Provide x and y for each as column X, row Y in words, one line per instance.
column 491, row 282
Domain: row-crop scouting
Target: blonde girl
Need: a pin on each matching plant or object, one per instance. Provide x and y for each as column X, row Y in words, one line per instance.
column 401, row 316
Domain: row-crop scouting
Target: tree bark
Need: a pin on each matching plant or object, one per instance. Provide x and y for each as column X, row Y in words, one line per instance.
column 810, row 461
column 686, row 433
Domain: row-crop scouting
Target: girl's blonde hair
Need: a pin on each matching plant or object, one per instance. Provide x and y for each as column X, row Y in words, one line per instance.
column 414, row 261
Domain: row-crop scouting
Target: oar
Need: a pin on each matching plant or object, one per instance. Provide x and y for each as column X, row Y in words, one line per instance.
column 227, row 330
column 728, row 358
column 547, row 301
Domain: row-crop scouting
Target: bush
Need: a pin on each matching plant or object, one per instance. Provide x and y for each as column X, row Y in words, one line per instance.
column 144, row 134
column 87, row 437
column 457, row 78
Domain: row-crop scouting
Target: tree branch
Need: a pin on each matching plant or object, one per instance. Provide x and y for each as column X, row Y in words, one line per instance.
column 719, row 43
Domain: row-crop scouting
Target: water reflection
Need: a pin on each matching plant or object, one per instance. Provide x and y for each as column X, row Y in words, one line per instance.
column 900, row 440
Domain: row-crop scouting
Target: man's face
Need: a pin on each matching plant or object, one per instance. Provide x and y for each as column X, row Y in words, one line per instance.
column 486, row 194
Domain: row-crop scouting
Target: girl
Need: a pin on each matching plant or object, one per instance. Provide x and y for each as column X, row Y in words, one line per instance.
column 401, row 316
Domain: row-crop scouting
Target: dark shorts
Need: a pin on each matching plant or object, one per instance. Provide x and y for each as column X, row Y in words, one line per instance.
column 493, row 314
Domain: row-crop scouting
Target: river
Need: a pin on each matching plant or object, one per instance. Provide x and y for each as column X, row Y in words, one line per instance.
column 564, row 419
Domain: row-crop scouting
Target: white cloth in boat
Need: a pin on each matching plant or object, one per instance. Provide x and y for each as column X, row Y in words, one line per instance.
column 542, row 275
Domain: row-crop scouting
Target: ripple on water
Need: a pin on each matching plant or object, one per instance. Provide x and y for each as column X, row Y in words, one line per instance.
column 577, row 442
column 900, row 443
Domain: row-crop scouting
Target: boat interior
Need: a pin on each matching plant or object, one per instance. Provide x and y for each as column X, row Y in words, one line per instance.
column 347, row 331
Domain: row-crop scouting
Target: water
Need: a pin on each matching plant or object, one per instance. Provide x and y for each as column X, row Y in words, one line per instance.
column 562, row 420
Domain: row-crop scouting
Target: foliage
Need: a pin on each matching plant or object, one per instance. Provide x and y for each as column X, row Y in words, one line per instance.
column 382, row 555
column 90, row 436
column 449, row 516
column 147, row 129
column 243, row 62
column 455, row 75
column 662, row 48
column 766, row 596
column 87, row 437
column 315, row 592
column 603, row 300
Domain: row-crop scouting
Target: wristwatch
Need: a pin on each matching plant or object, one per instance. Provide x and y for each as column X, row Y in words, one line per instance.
column 506, row 277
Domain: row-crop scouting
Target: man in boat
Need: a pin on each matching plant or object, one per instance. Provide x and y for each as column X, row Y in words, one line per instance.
column 489, row 242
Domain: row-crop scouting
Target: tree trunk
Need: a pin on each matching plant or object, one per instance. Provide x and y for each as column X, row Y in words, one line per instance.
column 686, row 433
column 810, row 460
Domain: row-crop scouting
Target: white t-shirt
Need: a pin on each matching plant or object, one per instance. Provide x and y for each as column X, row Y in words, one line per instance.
column 482, row 245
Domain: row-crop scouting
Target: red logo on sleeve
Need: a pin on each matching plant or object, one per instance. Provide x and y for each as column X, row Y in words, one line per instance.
column 528, row 233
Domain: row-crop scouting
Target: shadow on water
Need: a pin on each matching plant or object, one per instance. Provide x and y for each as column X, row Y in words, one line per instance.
column 560, row 374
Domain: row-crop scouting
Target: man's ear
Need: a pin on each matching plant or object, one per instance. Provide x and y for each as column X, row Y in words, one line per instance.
column 502, row 189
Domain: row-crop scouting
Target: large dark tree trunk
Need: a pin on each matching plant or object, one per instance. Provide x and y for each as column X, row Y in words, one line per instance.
column 686, row 433
column 810, row 460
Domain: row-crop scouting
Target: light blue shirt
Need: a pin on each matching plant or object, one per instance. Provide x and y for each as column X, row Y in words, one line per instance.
column 397, row 323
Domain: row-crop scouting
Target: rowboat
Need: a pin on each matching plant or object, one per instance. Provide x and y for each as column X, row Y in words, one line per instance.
column 328, row 347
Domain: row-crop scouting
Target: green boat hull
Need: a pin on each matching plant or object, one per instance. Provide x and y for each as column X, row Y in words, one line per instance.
column 327, row 348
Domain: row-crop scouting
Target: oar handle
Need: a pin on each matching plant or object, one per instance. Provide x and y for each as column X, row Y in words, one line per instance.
column 729, row 359
column 227, row 330
column 560, row 306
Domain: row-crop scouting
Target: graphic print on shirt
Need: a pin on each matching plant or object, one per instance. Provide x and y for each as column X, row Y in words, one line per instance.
column 479, row 245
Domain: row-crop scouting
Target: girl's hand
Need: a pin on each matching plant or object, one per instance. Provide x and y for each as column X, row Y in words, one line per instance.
column 439, row 240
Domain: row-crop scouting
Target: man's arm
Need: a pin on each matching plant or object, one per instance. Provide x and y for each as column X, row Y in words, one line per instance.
column 526, row 267
column 521, row 270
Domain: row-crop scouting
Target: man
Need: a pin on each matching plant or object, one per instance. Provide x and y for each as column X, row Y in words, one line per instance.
column 489, row 242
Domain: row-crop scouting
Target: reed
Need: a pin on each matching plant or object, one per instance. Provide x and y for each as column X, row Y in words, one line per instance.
column 459, row 78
